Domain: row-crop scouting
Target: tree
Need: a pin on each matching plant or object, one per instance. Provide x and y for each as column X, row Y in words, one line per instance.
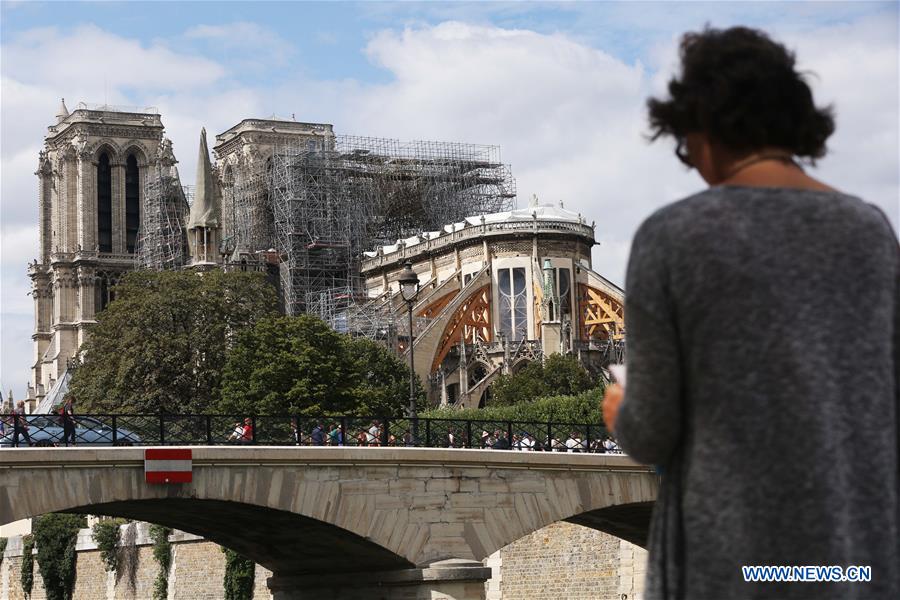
column 382, row 388
column 581, row 408
column 160, row 346
column 558, row 375
column 299, row 365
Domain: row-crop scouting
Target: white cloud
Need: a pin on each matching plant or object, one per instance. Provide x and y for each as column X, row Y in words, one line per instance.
column 857, row 69
column 17, row 248
column 569, row 118
column 92, row 59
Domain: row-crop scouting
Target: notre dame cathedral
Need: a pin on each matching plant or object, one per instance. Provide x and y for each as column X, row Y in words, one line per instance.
column 331, row 220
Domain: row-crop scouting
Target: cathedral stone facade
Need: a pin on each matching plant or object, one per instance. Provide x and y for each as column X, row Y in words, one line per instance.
column 90, row 176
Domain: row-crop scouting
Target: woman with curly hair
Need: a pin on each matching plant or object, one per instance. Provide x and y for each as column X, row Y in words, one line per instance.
column 763, row 318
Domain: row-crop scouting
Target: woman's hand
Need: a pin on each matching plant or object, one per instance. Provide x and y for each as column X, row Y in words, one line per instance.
column 611, row 402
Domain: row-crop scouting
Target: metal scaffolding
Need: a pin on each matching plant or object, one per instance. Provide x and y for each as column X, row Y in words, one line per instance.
column 246, row 209
column 330, row 205
column 161, row 242
column 347, row 311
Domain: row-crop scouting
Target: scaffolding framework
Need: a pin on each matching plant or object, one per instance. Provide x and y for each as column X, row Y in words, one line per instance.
column 347, row 311
column 246, row 209
column 327, row 206
column 161, row 242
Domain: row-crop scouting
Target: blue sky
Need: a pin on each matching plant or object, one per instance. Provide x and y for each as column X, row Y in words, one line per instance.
column 559, row 86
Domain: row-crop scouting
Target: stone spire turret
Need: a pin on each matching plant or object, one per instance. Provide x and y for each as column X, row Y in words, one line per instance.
column 204, row 223
column 62, row 112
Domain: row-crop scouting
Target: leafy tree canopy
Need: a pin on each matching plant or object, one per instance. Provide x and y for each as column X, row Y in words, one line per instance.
column 583, row 408
column 558, row 375
column 162, row 343
column 298, row 365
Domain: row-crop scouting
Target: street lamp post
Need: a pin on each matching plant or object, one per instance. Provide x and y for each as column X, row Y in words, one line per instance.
column 409, row 289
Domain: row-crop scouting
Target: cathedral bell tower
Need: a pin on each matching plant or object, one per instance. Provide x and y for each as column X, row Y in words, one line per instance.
column 91, row 174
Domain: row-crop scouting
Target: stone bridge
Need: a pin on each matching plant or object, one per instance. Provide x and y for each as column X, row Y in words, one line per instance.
column 374, row 523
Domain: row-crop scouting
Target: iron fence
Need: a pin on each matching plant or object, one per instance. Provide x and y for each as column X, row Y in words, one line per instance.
column 296, row 430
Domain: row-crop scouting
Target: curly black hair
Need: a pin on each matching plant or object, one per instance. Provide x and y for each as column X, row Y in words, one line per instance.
column 741, row 88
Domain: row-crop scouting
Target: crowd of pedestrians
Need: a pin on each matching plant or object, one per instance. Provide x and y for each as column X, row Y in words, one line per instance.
column 375, row 434
column 437, row 434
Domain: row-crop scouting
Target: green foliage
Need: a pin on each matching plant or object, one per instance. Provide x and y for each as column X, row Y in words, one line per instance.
column 55, row 535
column 3, row 541
column 162, row 554
column 558, row 375
column 26, row 577
column 161, row 345
column 106, row 535
column 239, row 576
column 299, row 365
column 382, row 381
column 583, row 408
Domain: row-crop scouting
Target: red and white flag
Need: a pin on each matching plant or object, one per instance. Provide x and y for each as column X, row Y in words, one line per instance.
column 168, row 465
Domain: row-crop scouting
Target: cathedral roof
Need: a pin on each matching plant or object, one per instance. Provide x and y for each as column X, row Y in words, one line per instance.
column 205, row 209
column 531, row 214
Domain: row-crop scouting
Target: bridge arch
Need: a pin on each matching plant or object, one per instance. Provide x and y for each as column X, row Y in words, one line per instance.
column 300, row 511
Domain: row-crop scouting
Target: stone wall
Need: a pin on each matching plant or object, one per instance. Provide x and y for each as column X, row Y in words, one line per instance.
column 197, row 572
column 567, row 561
column 559, row 561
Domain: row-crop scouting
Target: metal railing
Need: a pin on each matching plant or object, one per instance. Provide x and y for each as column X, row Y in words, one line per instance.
column 294, row 430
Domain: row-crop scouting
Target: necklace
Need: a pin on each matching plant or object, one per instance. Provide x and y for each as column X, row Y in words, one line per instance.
column 785, row 157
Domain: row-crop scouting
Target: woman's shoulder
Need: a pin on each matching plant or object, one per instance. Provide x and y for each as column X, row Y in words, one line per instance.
column 723, row 203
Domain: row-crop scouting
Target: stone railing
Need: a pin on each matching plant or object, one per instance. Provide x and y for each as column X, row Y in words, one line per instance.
column 447, row 241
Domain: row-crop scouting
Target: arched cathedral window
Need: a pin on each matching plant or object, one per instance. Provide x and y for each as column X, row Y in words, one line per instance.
column 513, row 303
column 132, row 202
column 104, row 204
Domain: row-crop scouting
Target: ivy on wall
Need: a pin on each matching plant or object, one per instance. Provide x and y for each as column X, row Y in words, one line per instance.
column 162, row 553
column 2, row 548
column 106, row 535
column 239, row 576
column 26, row 577
column 55, row 535
column 127, row 558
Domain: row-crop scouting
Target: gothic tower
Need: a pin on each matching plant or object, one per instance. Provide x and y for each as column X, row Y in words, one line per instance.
column 91, row 175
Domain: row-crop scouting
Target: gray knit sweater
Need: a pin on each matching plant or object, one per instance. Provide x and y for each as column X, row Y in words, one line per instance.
column 763, row 328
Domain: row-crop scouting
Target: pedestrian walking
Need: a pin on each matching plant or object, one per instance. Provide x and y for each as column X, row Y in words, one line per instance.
column 67, row 413
column 318, row 435
column 20, row 425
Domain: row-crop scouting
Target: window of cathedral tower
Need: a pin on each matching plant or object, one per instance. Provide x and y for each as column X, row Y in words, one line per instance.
column 105, row 290
column 104, row 204
column 132, row 202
